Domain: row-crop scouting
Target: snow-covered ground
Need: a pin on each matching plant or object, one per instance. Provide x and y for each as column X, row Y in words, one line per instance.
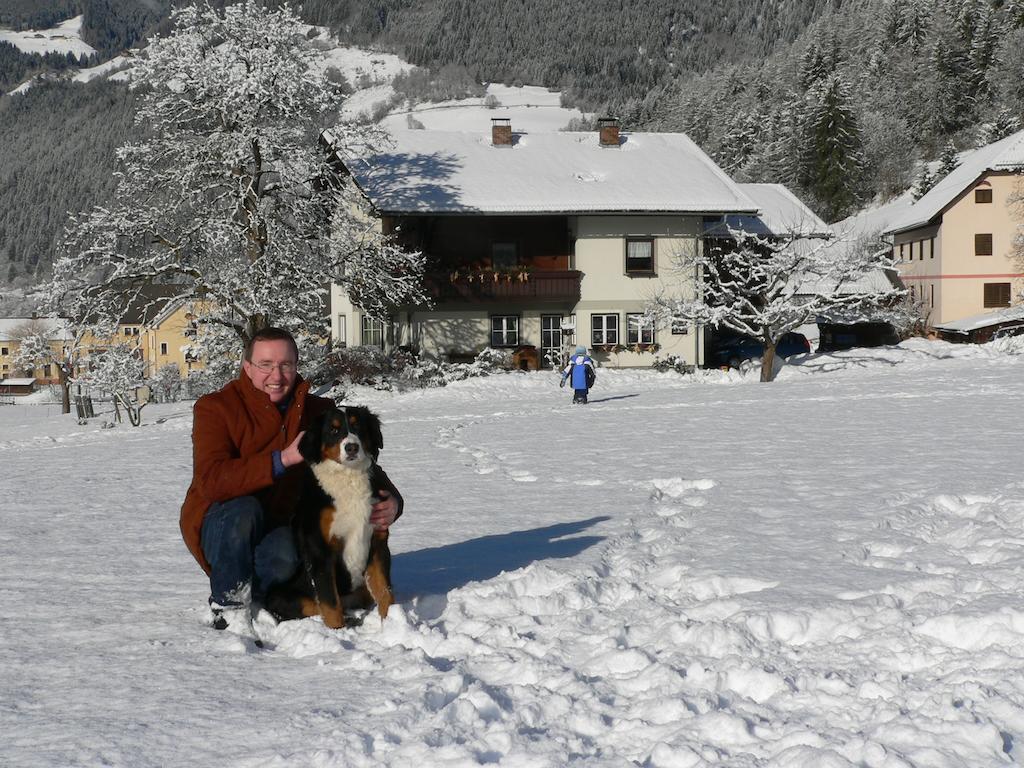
column 530, row 108
column 66, row 37
column 691, row 571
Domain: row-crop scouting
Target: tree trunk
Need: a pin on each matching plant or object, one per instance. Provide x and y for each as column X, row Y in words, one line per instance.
column 65, row 389
column 768, row 363
column 253, row 324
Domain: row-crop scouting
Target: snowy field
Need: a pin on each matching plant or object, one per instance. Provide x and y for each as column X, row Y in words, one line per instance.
column 66, row 37
column 707, row 571
column 530, row 108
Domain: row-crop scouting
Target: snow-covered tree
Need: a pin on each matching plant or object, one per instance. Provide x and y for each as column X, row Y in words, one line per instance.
column 923, row 182
column 60, row 343
column 1001, row 126
column 233, row 194
column 166, row 383
column 767, row 287
column 120, row 370
column 948, row 161
column 1016, row 206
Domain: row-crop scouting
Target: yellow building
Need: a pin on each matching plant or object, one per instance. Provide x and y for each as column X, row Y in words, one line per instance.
column 159, row 325
column 166, row 339
column 955, row 246
column 14, row 329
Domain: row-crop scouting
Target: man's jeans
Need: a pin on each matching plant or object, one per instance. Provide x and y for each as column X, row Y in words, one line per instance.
column 242, row 553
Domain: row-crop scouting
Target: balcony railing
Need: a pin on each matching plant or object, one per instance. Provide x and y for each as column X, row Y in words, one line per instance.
column 511, row 285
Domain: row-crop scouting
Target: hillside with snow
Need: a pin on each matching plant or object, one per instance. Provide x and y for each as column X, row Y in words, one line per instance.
column 64, row 38
column 689, row 571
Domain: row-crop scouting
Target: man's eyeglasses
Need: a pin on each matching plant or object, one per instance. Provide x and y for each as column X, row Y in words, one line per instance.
column 265, row 366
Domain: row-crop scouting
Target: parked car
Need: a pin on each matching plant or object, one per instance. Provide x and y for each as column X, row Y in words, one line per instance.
column 733, row 349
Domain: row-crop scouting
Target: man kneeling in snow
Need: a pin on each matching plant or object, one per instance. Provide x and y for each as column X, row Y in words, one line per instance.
column 246, row 475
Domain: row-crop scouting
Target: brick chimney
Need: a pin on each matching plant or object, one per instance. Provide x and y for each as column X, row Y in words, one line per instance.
column 501, row 132
column 608, row 131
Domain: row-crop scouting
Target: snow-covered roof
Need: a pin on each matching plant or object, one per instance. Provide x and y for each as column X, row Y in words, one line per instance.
column 17, row 382
column 783, row 212
column 780, row 213
column 57, row 327
column 149, row 303
column 876, row 281
column 1004, row 155
column 462, row 172
column 984, row 320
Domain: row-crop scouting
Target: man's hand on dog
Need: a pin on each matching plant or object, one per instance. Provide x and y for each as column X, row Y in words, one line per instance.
column 384, row 511
column 290, row 455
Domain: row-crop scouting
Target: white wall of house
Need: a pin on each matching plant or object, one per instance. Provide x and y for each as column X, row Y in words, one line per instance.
column 608, row 289
column 951, row 273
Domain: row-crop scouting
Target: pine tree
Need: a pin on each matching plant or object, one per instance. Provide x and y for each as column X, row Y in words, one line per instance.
column 948, row 160
column 922, row 183
column 833, row 152
column 1002, row 125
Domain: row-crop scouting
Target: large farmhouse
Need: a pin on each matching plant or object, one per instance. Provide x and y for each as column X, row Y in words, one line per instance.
column 543, row 240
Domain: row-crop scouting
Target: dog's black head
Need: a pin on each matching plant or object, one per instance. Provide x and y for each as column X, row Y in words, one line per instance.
column 348, row 436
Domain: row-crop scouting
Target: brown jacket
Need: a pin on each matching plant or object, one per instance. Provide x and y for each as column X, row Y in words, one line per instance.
column 234, row 432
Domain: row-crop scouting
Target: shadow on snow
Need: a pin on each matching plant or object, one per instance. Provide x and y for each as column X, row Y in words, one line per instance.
column 438, row 570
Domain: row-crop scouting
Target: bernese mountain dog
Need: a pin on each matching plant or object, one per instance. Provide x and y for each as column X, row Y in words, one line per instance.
column 344, row 563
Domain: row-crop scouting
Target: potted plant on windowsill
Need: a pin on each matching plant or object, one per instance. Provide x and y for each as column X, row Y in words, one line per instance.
column 638, row 348
column 608, row 348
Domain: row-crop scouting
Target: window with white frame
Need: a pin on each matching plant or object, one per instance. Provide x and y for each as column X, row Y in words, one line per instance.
column 372, row 332
column 550, row 331
column 342, row 338
column 639, row 255
column 639, row 330
column 604, row 329
column 504, row 330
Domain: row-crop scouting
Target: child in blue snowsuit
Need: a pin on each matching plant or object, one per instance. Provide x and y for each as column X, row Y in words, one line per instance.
column 581, row 370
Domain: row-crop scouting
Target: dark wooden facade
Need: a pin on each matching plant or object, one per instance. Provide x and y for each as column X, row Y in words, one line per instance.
column 475, row 259
column 468, row 242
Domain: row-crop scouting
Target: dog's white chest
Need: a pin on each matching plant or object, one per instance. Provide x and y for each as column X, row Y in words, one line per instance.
column 352, row 496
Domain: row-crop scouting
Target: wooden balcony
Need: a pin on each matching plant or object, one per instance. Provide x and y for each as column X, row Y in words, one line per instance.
column 518, row 286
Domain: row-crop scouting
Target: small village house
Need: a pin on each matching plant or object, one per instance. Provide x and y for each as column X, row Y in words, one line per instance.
column 13, row 329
